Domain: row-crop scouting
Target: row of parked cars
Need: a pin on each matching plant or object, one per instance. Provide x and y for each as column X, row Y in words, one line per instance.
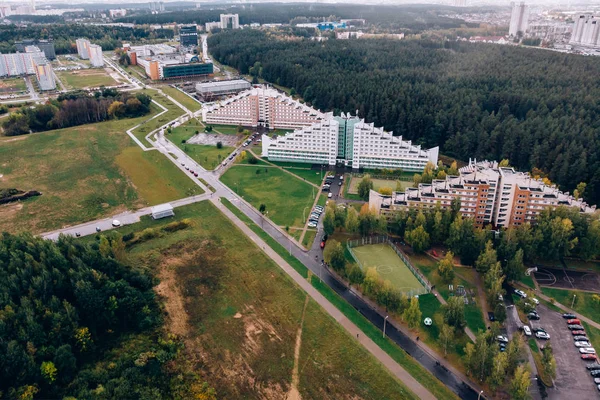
column 313, row 220
column 582, row 342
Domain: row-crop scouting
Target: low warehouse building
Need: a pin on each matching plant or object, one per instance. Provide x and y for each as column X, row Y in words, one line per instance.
column 162, row 211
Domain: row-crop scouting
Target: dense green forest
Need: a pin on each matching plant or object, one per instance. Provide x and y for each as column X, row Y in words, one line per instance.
column 537, row 108
column 76, row 321
column 64, row 35
column 412, row 18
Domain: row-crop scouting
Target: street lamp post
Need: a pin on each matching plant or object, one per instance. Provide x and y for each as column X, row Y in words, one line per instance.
column 573, row 301
column 480, row 393
column 384, row 323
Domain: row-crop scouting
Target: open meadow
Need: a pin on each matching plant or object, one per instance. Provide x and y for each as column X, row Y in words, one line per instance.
column 240, row 315
column 86, row 78
column 182, row 98
column 378, row 184
column 84, row 173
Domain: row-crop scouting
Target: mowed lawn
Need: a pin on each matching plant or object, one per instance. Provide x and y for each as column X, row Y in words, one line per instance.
column 182, row 98
column 584, row 301
column 206, row 155
column 239, row 314
column 86, row 78
column 285, row 196
column 388, row 265
column 378, row 184
column 84, row 173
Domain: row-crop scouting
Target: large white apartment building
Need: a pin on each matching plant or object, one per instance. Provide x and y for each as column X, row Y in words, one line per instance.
column 586, row 31
column 82, row 48
column 261, row 107
column 32, row 62
column 95, row 53
column 488, row 193
column 519, row 18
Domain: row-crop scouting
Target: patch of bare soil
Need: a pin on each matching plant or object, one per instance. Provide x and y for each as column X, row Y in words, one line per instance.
column 213, row 138
column 10, row 210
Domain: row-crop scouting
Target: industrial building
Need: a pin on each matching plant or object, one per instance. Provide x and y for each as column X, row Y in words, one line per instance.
column 586, row 31
column 31, row 62
column 210, row 90
column 488, row 193
column 188, row 35
column 161, row 61
column 47, row 46
column 519, row 19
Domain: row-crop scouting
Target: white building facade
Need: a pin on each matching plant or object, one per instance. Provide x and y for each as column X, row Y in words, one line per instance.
column 32, row 62
column 586, row 31
column 95, row 53
column 82, row 48
column 230, row 21
column 519, row 19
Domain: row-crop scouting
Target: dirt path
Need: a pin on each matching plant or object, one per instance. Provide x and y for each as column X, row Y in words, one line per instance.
column 174, row 303
column 294, row 394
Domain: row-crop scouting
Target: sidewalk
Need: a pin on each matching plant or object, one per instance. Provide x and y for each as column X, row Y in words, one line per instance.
column 400, row 373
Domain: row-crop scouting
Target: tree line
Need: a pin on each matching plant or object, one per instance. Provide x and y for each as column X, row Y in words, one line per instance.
column 536, row 108
column 411, row 18
column 64, row 35
column 76, row 108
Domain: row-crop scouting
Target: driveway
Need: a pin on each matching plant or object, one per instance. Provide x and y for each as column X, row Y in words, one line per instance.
column 573, row 381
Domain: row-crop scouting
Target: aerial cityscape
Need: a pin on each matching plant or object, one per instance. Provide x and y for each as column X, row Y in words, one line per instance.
column 300, row 200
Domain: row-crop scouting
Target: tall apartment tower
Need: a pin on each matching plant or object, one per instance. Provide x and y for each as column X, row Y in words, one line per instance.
column 586, row 31
column 95, row 53
column 83, row 46
column 519, row 18
column 230, row 21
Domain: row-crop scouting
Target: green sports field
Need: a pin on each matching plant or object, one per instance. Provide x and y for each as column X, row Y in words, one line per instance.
column 388, row 265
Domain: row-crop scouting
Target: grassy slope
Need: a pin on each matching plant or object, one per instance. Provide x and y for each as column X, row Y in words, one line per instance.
column 182, row 98
column 253, row 354
column 84, row 172
column 413, row 367
column 149, row 125
column 584, row 303
column 207, row 156
column 285, row 196
column 226, row 129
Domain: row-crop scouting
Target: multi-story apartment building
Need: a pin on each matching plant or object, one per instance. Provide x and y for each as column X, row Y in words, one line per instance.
column 32, row 62
column 188, row 35
column 488, row 193
column 230, row 21
column 261, row 107
column 83, row 48
column 47, row 46
column 95, row 53
column 519, row 19
column 586, row 31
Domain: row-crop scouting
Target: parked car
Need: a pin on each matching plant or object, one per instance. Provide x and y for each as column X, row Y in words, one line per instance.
column 580, row 338
column 520, row 293
column 324, row 238
column 502, row 339
column 535, row 301
column 533, row 316
column 340, row 183
column 597, row 381
column 598, row 387
column 526, row 330
column 77, row 234
column 589, row 357
column 116, row 223
column 312, row 224
column 593, row 367
column 574, row 322
column 595, row 373
column 587, row 350
column 542, row 335
column 98, row 229
column 569, row 316
column 578, row 333
column 539, row 329
column 575, row 327
column 322, row 245
column 330, row 195
column 582, row 344
column 491, row 316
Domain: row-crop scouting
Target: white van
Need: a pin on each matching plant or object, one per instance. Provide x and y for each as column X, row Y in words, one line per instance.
column 526, row 330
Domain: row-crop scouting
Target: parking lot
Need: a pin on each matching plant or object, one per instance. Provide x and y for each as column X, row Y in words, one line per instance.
column 573, row 381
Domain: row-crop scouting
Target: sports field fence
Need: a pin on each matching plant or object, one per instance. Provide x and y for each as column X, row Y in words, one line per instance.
column 384, row 239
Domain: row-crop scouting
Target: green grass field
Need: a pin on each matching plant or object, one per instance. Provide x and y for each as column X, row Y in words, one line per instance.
column 242, row 313
column 149, row 125
column 207, row 156
column 285, row 197
column 9, row 85
column 378, row 184
column 84, row 173
column 226, row 129
column 584, row 301
column 388, row 265
column 182, row 98
column 85, row 78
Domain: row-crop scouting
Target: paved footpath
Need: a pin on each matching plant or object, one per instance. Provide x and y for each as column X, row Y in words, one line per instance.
column 419, row 390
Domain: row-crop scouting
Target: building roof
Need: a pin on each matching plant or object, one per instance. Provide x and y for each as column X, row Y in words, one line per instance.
column 162, row 208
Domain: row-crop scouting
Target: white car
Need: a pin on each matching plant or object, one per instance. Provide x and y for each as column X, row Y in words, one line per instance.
column 597, row 380
column 502, row 339
column 520, row 293
column 582, row 344
column 116, row 223
column 527, row 330
column 535, row 301
column 312, row 225
column 587, row 350
column 542, row 335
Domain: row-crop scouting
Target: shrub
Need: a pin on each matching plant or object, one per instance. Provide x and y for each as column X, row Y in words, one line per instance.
column 128, row 236
column 252, row 160
column 177, row 225
column 148, row 234
column 183, row 141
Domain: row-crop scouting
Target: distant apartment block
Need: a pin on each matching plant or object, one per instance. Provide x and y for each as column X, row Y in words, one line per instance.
column 210, row 26
column 31, row 62
column 83, row 48
column 519, row 19
column 188, row 35
column 120, row 12
column 549, row 31
column 586, row 31
column 47, row 46
column 230, row 21
column 488, row 193
column 95, row 53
